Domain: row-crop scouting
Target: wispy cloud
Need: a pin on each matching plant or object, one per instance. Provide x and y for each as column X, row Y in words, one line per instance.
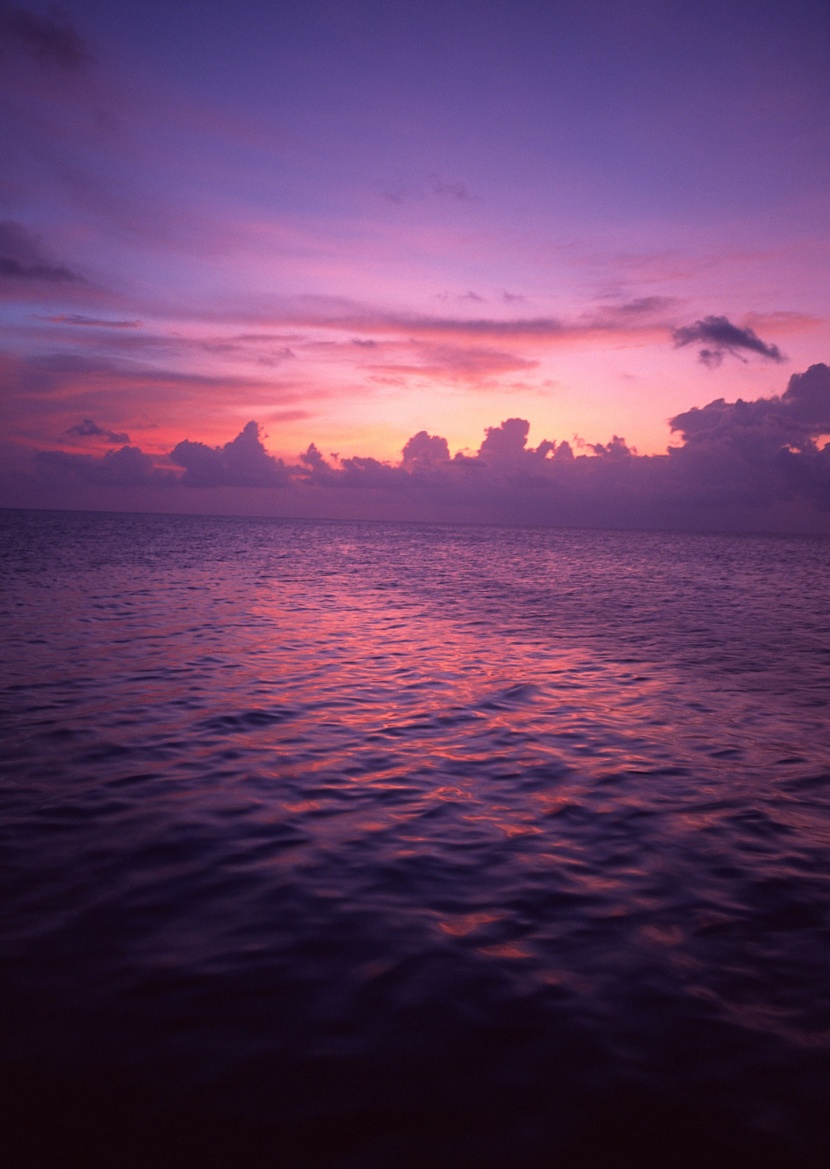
column 88, row 322
column 472, row 364
column 23, row 258
column 435, row 187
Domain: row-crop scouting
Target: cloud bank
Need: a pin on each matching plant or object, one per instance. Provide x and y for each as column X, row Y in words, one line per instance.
column 756, row 465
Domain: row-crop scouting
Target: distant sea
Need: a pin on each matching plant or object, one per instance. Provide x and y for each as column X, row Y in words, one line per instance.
column 357, row 846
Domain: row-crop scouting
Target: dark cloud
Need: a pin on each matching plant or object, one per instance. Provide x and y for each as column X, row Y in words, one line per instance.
column 50, row 40
column 22, row 258
column 89, row 429
column 795, row 418
column 506, row 445
column 127, row 467
column 718, row 337
column 425, row 450
column 243, row 462
column 758, row 465
column 739, row 462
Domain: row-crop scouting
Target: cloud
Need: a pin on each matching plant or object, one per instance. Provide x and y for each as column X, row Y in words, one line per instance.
column 796, row 418
column 50, row 40
column 22, row 258
column 755, row 465
column 127, row 467
column 243, row 462
column 631, row 311
column 738, row 463
column 425, row 451
column 505, row 445
column 720, row 337
column 436, row 186
column 93, row 322
column 90, row 429
column 474, row 364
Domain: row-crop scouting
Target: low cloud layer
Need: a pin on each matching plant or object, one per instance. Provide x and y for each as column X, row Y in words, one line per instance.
column 719, row 338
column 757, row 464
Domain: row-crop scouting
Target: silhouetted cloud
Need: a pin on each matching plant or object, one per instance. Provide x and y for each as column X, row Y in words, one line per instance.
column 127, row 467
column 795, row 418
column 739, row 464
column 719, row 337
column 51, row 39
column 90, row 429
column 243, row 462
column 425, row 450
column 22, row 258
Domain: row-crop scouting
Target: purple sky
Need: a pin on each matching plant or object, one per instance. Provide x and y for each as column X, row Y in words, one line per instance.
column 365, row 226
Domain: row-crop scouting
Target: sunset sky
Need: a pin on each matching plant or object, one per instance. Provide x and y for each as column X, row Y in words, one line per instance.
column 351, row 222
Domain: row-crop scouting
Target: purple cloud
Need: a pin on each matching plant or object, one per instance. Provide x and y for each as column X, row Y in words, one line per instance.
column 720, row 337
column 425, row 451
column 795, row 419
column 22, row 258
column 741, row 465
column 244, row 462
column 90, row 429
column 127, row 467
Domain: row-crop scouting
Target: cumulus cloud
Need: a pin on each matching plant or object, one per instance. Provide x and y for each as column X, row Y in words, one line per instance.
column 718, row 337
column 425, row 451
column 507, row 444
column 22, row 258
column 50, row 40
column 739, row 464
column 795, row 418
column 243, row 462
column 89, row 429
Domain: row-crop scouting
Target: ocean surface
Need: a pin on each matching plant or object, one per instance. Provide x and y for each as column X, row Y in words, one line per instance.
column 354, row 846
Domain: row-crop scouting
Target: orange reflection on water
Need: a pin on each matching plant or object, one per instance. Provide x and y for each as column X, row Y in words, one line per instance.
column 505, row 950
column 459, row 927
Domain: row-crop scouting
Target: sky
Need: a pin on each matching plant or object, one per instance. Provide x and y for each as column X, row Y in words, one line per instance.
column 559, row 262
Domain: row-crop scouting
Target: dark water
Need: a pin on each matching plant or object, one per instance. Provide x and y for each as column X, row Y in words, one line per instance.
column 355, row 846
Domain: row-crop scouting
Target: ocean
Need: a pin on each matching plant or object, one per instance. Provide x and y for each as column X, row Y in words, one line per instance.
column 351, row 845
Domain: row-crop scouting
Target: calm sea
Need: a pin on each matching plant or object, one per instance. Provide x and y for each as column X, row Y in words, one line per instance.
column 354, row 846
